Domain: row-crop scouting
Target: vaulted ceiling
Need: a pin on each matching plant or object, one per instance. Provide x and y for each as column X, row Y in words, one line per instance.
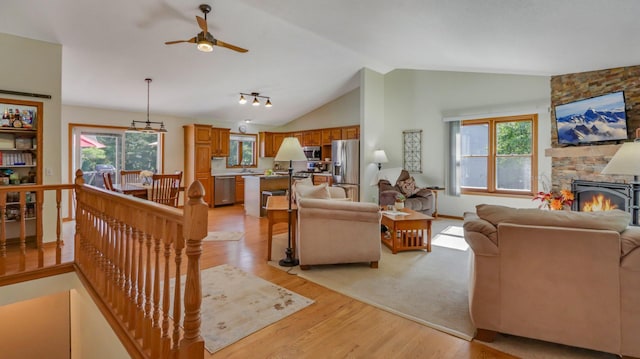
column 305, row 53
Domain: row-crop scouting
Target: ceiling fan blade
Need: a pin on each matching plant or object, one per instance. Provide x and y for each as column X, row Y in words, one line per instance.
column 192, row 40
column 202, row 23
column 229, row 46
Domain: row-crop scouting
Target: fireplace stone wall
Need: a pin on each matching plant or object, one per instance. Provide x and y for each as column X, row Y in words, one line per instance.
column 586, row 162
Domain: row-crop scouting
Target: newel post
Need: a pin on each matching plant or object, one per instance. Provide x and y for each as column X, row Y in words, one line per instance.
column 194, row 230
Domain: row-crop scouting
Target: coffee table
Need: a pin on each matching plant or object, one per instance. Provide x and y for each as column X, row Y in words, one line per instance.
column 407, row 231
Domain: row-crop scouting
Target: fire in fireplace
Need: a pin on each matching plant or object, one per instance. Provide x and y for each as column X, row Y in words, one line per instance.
column 603, row 196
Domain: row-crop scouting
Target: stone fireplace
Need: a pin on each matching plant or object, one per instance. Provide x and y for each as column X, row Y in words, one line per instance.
column 601, row 196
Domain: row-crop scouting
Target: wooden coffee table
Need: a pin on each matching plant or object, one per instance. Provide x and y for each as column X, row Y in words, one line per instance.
column 407, row 231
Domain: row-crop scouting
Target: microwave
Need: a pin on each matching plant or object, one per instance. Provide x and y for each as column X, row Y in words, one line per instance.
column 312, row 152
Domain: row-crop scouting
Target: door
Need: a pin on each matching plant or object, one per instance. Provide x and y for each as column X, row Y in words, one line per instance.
column 98, row 150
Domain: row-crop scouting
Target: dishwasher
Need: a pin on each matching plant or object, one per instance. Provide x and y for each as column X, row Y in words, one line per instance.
column 225, row 190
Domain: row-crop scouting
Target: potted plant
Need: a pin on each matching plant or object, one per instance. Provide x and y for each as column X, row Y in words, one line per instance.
column 400, row 201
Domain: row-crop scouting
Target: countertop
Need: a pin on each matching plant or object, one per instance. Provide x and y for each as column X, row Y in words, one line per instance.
column 261, row 173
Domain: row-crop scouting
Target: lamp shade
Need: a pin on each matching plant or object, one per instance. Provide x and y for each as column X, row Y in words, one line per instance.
column 290, row 150
column 380, row 157
column 626, row 161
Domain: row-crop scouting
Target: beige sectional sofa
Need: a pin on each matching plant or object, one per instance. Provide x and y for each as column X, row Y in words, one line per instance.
column 566, row 277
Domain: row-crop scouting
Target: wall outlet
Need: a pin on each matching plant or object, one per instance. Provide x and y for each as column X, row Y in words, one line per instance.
column 48, row 172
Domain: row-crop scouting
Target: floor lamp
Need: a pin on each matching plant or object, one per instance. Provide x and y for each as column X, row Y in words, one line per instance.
column 625, row 161
column 290, row 150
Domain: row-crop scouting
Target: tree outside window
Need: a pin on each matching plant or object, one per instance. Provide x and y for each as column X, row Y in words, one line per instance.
column 242, row 151
column 498, row 155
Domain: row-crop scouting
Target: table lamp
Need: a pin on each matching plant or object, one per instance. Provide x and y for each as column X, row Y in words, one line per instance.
column 380, row 157
column 290, row 150
column 626, row 161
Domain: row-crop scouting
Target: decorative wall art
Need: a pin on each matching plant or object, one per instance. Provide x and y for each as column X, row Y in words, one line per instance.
column 412, row 150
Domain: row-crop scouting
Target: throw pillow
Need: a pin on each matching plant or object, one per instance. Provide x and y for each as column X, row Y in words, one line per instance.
column 318, row 192
column 304, row 182
column 408, row 187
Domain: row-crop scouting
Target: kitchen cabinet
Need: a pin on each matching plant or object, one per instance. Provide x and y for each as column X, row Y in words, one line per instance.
column 351, row 133
column 331, row 134
column 299, row 136
column 239, row 189
column 266, row 144
column 197, row 158
column 21, row 163
column 220, row 142
column 278, row 138
column 325, row 178
column 312, row 138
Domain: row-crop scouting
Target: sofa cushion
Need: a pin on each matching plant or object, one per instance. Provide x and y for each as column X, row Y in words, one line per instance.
column 629, row 240
column 614, row 220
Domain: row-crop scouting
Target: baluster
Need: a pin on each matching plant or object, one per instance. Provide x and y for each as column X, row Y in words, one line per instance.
column 117, row 259
column 126, row 289
column 155, row 331
column 177, row 295
column 133, row 278
column 166, row 299
column 58, row 221
column 139, row 307
column 146, row 338
column 38, row 216
column 23, row 232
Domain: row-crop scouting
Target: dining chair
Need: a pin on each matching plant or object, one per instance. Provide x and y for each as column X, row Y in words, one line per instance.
column 108, row 184
column 165, row 188
column 132, row 176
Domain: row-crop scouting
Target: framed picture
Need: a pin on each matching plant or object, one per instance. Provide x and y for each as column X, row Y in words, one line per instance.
column 412, row 151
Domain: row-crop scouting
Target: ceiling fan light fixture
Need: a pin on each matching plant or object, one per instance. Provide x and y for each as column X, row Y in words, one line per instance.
column 205, row 45
column 242, row 100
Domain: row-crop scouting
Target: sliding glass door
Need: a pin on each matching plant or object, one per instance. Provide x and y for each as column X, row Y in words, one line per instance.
column 98, row 150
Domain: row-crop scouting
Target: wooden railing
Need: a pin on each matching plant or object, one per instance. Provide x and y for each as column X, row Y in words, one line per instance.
column 131, row 254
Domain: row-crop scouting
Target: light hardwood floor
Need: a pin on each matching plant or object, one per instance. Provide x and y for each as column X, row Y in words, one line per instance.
column 335, row 326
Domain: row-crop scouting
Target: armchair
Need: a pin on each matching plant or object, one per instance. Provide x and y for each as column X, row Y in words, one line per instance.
column 418, row 199
column 331, row 232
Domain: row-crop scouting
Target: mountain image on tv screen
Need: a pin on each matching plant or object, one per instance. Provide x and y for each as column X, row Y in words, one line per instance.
column 595, row 119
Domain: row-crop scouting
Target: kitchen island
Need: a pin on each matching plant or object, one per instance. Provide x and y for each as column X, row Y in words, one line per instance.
column 254, row 203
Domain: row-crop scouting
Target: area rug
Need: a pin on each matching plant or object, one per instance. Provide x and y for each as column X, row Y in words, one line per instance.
column 224, row 236
column 236, row 304
column 427, row 287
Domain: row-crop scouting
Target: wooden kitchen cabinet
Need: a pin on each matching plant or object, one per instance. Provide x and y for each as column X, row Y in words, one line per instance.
column 197, row 158
column 312, row 138
column 331, row 134
column 320, row 179
column 220, row 142
column 351, row 133
column 278, row 138
column 239, row 189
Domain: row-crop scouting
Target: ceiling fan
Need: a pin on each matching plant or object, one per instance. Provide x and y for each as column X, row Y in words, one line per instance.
column 204, row 40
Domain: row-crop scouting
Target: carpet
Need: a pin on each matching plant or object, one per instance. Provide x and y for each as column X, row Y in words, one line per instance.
column 236, row 304
column 224, row 236
column 429, row 288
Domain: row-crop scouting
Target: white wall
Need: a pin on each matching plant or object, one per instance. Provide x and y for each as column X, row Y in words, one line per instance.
column 420, row 100
column 343, row 111
column 372, row 124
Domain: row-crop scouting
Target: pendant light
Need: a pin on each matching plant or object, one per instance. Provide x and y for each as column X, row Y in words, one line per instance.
column 147, row 124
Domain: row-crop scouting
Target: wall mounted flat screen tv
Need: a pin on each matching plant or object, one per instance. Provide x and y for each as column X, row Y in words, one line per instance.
column 595, row 119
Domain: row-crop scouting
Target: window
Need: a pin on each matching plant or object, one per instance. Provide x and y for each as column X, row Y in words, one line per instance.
column 100, row 149
column 498, row 155
column 242, row 151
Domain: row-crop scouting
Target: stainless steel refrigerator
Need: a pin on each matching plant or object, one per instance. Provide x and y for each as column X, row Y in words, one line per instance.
column 345, row 155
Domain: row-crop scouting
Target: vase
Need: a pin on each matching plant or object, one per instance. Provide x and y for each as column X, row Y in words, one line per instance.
column 399, row 205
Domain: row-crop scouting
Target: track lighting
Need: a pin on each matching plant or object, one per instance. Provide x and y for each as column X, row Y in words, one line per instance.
column 255, row 102
column 147, row 128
